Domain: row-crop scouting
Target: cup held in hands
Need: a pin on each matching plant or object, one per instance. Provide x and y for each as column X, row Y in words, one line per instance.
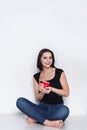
column 46, row 84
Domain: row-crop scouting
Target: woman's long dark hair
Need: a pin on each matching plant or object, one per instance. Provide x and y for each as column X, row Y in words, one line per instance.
column 39, row 64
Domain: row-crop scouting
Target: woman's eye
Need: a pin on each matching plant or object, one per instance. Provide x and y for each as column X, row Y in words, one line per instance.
column 44, row 57
column 50, row 57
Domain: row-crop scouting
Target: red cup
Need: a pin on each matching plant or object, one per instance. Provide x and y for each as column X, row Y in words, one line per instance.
column 46, row 84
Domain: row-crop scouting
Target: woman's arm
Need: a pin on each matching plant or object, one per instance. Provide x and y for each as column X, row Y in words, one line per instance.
column 38, row 94
column 65, row 88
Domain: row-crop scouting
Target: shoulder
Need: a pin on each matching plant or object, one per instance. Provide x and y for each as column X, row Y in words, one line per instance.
column 36, row 76
column 59, row 71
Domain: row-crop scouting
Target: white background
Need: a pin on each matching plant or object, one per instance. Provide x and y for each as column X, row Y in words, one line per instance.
column 26, row 26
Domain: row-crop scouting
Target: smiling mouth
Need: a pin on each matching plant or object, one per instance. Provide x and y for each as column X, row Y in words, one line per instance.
column 47, row 63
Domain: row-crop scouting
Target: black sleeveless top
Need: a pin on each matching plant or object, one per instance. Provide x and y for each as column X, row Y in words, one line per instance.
column 52, row 98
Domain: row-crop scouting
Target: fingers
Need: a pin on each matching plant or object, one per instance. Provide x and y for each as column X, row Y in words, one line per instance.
column 44, row 90
column 41, row 85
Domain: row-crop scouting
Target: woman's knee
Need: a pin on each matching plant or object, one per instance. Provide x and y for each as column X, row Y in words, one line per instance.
column 19, row 102
column 65, row 112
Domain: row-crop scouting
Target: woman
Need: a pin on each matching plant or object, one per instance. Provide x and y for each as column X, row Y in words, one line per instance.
column 51, row 110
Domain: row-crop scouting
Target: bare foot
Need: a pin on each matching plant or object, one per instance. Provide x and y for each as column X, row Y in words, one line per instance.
column 30, row 120
column 56, row 123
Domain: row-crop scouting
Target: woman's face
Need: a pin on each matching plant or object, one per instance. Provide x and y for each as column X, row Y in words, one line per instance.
column 46, row 59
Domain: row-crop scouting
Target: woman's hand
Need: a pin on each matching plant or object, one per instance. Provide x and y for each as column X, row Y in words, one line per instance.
column 46, row 90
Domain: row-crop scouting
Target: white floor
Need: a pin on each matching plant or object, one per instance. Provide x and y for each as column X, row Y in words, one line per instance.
column 17, row 122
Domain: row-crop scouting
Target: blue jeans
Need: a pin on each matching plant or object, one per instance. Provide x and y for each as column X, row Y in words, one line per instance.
column 42, row 111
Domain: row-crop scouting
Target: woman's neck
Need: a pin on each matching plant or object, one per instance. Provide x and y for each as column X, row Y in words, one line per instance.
column 47, row 70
